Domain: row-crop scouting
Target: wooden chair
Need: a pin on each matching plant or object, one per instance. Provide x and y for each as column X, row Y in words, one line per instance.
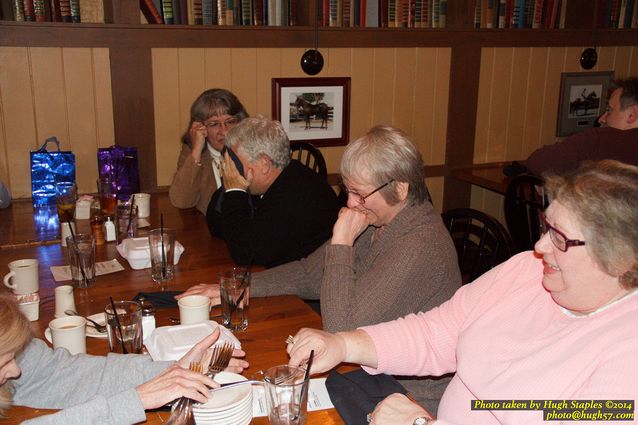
column 309, row 156
column 481, row 242
column 524, row 199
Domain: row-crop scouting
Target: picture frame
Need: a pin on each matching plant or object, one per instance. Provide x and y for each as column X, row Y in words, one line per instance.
column 314, row 110
column 583, row 98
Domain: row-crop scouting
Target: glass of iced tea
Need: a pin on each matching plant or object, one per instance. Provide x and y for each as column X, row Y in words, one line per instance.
column 66, row 193
column 108, row 196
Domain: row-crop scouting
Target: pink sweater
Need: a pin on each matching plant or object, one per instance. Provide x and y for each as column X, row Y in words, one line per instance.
column 506, row 339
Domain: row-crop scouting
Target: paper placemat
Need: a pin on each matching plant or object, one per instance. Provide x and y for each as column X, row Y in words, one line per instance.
column 62, row 273
column 318, row 398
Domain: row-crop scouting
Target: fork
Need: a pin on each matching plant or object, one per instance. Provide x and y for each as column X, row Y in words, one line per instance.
column 183, row 412
column 220, row 358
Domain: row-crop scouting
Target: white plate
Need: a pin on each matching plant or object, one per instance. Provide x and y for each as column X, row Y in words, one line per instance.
column 172, row 342
column 90, row 330
column 239, row 420
column 227, row 399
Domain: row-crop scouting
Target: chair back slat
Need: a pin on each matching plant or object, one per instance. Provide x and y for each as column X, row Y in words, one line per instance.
column 309, row 156
column 524, row 199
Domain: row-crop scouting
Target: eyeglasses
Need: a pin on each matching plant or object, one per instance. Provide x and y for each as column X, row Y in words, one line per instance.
column 216, row 125
column 557, row 237
column 361, row 199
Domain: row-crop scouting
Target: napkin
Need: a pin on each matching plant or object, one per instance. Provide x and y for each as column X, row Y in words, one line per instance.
column 355, row 394
column 159, row 299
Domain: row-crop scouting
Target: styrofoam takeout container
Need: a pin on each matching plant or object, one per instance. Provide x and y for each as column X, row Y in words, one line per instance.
column 172, row 342
column 138, row 253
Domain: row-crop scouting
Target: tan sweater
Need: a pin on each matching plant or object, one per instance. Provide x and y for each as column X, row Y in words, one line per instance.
column 193, row 185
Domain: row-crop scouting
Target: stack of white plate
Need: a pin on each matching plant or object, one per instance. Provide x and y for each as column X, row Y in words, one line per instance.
column 232, row 406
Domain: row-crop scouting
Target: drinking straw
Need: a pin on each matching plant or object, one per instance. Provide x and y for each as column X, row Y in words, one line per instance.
column 68, row 220
column 162, row 243
column 119, row 327
column 130, row 216
column 306, row 380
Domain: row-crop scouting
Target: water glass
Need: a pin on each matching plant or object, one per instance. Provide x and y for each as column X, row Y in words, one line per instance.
column 108, row 196
column 162, row 248
column 81, row 251
column 126, row 222
column 127, row 337
column 286, row 395
column 234, row 288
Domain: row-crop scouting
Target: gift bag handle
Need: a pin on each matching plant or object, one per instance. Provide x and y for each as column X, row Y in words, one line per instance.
column 52, row 139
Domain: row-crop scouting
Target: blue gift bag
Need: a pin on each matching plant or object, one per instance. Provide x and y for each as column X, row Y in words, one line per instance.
column 49, row 168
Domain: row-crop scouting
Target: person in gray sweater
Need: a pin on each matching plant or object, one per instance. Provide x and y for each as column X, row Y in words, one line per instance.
column 113, row 390
column 390, row 254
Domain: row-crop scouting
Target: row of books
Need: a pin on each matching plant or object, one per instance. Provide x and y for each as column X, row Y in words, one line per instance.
column 73, row 11
column 617, row 14
column 384, row 13
column 520, row 13
column 220, row 12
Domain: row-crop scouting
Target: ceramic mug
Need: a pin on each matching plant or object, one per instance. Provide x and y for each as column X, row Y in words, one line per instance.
column 23, row 277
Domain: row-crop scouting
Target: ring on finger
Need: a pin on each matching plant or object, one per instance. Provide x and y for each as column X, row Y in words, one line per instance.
column 290, row 340
column 369, row 417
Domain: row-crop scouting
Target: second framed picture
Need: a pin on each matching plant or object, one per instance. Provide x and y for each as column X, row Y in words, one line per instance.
column 315, row 110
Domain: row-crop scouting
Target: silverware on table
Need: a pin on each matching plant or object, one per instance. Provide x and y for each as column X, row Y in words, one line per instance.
column 98, row 327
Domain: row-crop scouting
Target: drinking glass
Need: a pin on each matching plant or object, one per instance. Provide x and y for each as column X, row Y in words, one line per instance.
column 66, row 193
column 81, row 251
column 108, row 196
column 127, row 337
column 126, row 222
column 162, row 248
column 286, row 395
column 234, row 287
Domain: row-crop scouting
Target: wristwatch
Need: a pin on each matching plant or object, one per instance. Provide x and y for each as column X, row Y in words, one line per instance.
column 422, row 421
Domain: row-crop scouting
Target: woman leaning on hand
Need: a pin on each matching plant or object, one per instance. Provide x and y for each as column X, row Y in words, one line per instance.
column 213, row 113
column 115, row 389
column 557, row 324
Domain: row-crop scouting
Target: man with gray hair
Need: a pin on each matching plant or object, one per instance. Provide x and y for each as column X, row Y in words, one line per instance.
column 273, row 210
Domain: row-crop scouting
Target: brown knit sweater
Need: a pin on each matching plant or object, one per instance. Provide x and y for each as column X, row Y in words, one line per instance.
column 410, row 267
column 193, row 185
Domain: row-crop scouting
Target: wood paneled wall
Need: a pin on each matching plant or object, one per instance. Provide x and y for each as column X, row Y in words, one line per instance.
column 63, row 92
column 406, row 87
column 518, row 102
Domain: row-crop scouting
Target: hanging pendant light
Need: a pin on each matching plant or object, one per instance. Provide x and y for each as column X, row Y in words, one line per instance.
column 312, row 60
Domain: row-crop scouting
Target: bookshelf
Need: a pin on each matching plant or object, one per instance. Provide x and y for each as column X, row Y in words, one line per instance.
column 130, row 45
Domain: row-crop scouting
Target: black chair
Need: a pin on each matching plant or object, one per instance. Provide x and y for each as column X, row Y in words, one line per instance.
column 481, row 242
column 524, row 199
column 309, row 156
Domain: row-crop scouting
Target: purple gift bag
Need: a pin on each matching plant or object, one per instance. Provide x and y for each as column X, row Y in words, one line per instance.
column 119, row 164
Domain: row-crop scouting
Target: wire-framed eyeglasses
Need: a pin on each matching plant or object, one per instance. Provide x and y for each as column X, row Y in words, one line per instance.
column 558, row 238
column 361, row 199
column 216, row 125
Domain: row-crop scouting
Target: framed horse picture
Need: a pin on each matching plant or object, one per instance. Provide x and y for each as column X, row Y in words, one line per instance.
column 315, row 110
column 583, row 98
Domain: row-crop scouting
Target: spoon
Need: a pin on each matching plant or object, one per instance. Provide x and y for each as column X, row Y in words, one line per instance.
column 98, row 327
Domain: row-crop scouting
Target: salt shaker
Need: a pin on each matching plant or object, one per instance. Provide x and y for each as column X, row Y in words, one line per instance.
column 148, row 318
column 109, row 230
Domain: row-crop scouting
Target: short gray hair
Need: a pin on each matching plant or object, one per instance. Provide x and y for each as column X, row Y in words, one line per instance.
column 603, row 196
column 383, row 154
column 258, row 136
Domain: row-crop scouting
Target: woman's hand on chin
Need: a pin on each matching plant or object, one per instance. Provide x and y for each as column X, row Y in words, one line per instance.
column 349, row 225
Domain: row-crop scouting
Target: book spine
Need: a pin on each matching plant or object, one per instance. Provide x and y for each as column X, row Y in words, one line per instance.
column 411, row 14
column 418, row 14
column 426, row 14
column 362, row 13
column 29, row 13
column 372, row 13
column 75, row 11
column 292, row 12
column 258, row 12
column 501, row 14
column 621, row 13
column 177, row 19
column 167, row 12
column 436, row 4
column 392, row 13
column 198, row 19
column 55, row 11
column 629, row 14
column 246, row 13
column 347, row 10
column 443, row 13
column 477, row 14
column 65, row 10
column 207, row 12
column 150, row 11
column 538, row 14
column 634, row 16
column 613, row 18
column 39, row 11
column 18, row 10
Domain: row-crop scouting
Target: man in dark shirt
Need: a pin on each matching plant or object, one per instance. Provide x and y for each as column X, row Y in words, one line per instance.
column 616, row 139
column 292, row 209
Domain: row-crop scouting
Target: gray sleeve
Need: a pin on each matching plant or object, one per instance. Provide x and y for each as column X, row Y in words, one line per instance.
column 301, row 278
column 90, row 389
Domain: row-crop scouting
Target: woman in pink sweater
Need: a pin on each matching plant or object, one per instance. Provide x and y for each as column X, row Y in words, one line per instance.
column 556, row 324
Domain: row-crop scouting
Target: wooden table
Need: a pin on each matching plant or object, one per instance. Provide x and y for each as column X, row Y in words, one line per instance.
column 270, row 319
column 489, row 176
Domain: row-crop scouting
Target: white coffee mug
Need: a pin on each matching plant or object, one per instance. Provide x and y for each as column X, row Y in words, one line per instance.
column 193, row 309
column 64, row 300
column 69, row 332
column 23, row 277
column 143, row 202
column 29, row 305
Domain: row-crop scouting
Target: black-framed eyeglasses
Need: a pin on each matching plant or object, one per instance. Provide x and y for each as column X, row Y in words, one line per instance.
column 216, row 125
column 558, row 238
column 361, row 199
